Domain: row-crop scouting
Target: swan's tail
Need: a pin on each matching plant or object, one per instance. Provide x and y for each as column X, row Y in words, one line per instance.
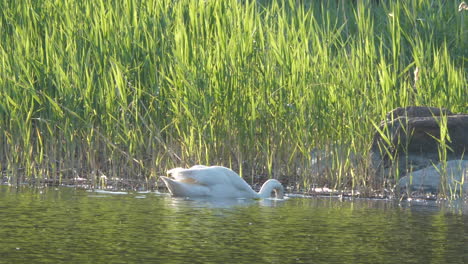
column 184, row 188
column 186, row 175
column 170, row 183
column 272, row 186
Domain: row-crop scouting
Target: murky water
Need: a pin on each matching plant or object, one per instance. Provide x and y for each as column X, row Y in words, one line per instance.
column 66, row 225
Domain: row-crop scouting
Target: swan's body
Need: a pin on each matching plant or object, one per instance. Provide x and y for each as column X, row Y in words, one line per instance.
column 216, row 181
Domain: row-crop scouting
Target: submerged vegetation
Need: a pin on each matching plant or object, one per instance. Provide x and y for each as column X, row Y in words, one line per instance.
column 130, row 88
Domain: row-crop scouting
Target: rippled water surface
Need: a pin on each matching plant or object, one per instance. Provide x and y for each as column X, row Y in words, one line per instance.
column 67, row 225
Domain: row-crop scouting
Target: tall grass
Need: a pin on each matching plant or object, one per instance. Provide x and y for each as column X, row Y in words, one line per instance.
column 130, row 88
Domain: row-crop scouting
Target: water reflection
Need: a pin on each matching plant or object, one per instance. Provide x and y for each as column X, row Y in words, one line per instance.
column 99, row 191
column 178, row 202
column 459, row 206
column 67, row 225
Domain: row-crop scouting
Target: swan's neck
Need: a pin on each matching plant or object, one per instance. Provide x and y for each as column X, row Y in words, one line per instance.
column 272, row 186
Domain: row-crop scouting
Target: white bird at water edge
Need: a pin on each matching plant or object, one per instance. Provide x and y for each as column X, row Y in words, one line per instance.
column 216, row 182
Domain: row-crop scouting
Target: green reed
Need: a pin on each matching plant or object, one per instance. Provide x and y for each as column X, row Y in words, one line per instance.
column 130, row 88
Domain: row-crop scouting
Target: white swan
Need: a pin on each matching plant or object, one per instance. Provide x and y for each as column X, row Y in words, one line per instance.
column 216, row 182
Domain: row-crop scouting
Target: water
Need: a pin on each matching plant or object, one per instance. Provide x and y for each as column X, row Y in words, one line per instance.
column 67, row 225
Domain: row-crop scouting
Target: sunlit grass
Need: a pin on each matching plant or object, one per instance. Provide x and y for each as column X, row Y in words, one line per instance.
column 131, row 88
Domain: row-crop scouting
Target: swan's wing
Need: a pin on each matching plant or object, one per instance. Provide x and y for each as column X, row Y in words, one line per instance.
column 199, row 174
column 236, row 181
column 182, row 189
column 209, row 176
column 238, row 187
column 180, row 175
column 221, row 181
column 175, row 172
column 199, row 167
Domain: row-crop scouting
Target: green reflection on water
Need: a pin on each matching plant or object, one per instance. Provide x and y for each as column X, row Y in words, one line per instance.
column 76, row 226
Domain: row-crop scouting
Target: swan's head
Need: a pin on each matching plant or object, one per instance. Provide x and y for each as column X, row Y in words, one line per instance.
column 272, row 188
column 278, row 193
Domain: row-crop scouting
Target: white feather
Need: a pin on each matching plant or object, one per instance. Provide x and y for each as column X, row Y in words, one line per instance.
column 216, row 181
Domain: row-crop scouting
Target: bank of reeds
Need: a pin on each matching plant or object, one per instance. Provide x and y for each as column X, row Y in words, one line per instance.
column 285, row 89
